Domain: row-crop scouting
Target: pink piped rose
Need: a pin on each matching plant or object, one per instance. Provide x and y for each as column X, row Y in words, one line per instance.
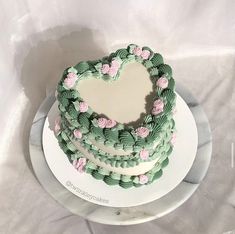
column 112, row 71
column 143, row 179
column 158, row 103
column 156, row 110
column 102, row 122
column 69, row 83
column 144, row 154
column 72, row 75
column 145, row 54
column 158, row 106
column 77, row 133
column 57, row 127
column 79, row 164
column 162, row 82
column 110, row 123
column 137, row 51
column 105, row 68
column 83, row 107
column 70, row 80
column 142, row 132
column 173, row 138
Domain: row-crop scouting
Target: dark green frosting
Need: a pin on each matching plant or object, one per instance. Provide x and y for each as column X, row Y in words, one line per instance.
column 165, row 69
column 157, row 60
column 82, row 67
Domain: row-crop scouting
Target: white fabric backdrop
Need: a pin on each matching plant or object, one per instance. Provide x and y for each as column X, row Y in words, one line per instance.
column 38, row 39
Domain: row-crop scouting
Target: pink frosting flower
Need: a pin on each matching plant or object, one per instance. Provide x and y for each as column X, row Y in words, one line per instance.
column 102, row 122
column 70, row 80
column 142, row 132
column 144, row 154
column 72, row 75
column 143, row 179
column 162, row 82
column 57, row 125
column 158, row 106
column 79, row 164
column 112, row 71
column 145, row 54
column 173, row 138
column 115, row 64
column 158, row 103
column 105, row 68
column 110, row 123
column 156, row 110
column 137, row 51
column 83, row 106
column 77, row 133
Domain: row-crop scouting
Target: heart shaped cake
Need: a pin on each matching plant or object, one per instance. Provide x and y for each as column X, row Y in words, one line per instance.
column 125, row 154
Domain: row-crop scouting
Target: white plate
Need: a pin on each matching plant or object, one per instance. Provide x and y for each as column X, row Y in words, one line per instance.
column 96, row 191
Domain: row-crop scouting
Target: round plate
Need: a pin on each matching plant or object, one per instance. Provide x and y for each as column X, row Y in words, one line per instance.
column 131, row 215
column 98, row 192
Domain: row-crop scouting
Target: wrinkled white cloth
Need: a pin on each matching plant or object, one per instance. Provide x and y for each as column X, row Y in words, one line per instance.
column 39, row 39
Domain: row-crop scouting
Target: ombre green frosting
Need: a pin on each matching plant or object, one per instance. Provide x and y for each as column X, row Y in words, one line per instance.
column 122, row 137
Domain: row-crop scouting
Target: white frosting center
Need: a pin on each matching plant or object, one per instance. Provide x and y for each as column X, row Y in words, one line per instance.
column 123, row 100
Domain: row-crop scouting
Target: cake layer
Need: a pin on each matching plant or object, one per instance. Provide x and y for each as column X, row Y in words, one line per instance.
column 119, row 163
column 123, row 165
column 135, row 170
column 110, row 177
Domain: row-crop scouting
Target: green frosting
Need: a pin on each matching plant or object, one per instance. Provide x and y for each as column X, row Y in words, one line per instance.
column 126, row 138
column 122, row 53
column 165, row 69
column 111, row 135
column 82, row 67
column 83, row 120
column 171, row 84
column 157, row 59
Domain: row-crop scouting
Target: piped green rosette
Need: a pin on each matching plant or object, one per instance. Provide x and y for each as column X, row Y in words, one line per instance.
column 149, row 141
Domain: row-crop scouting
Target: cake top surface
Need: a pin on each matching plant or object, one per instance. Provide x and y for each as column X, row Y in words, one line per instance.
column 125, row 99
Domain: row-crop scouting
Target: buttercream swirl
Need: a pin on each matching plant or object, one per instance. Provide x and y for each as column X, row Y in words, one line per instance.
column 77, row 133
column 162, row 82
column 143, row 179
column 144, row 154
column 70, row 80
column 102, row 122
column 142, row 132
column 110, row 123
